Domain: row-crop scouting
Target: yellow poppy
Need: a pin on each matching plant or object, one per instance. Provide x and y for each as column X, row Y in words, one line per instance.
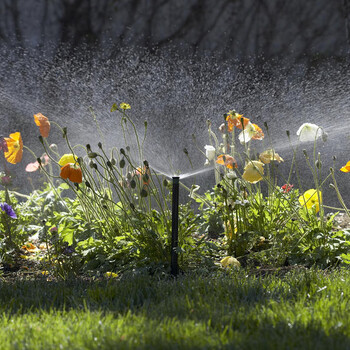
column 43, row 123
column 253, row 171
column 310, row 199
column 124, row 106
column 67, row 158
column 15, row 148
column 227, row 160
column 269, row 155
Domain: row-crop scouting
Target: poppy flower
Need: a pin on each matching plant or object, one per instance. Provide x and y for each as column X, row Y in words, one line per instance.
column 14, row 148
column 310, row 199
column 227, row 160
column 269, row 155
column 72, row 172
column 253, row 171
column 209, row 153
column 346, row 167
column 31, row 167
column 67, row 158
column 234, row 119
column 43, row 123
column 251, row 131
column 309, row 132
column 143, row 174
column 124, row 106
column 258, row 135
column 8, row 210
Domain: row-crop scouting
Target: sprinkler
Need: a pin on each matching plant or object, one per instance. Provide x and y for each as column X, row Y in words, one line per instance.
column 175, row 227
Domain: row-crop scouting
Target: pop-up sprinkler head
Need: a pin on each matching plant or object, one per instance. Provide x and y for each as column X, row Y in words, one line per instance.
column 175, row 227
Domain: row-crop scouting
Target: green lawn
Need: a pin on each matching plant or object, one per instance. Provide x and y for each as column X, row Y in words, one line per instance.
column 297, row 310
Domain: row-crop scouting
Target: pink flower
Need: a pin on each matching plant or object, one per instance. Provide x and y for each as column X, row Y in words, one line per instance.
column 31, row 167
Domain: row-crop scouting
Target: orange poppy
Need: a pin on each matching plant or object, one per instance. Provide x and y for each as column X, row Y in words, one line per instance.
column 43, row 123
column 143, row 174
column 259, row 135
column 227, row 160
column 72, row 172
column 235, row 120
column 15, row 148
column 346, row 167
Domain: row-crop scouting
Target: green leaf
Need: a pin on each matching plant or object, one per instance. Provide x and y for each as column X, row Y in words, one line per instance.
column 67, row 234
column 63, row 186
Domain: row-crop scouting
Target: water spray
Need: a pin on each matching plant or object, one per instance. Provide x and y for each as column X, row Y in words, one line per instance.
column 175, row 227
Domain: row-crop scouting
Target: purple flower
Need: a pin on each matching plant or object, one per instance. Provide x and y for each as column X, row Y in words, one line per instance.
column 3, row 144
column 8, row 210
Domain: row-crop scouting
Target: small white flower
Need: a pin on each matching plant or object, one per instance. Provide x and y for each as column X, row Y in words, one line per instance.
column 231, row 175
column 309, row 132
column 247, row 134
column 209, row 152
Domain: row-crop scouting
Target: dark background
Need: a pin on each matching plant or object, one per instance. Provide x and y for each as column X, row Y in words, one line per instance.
column 245, row 29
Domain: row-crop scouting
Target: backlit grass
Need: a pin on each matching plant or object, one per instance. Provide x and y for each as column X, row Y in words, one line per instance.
column 303, row 309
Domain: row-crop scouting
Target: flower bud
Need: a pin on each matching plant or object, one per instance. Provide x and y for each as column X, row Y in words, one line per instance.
column 113, row 161
column 144, row 193
column 39, row 160
column 122, row 163
column 99, row 145
column 41, row 139
column 92, row 155
column 109, row 164
column 145, row 162
column 305, row 154
column 88, row 147
column 122, row 151
column 132, row 183
column 64, row 134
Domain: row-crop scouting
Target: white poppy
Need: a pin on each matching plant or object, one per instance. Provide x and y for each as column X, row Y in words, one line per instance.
column 309, row 132
column 209, row 152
